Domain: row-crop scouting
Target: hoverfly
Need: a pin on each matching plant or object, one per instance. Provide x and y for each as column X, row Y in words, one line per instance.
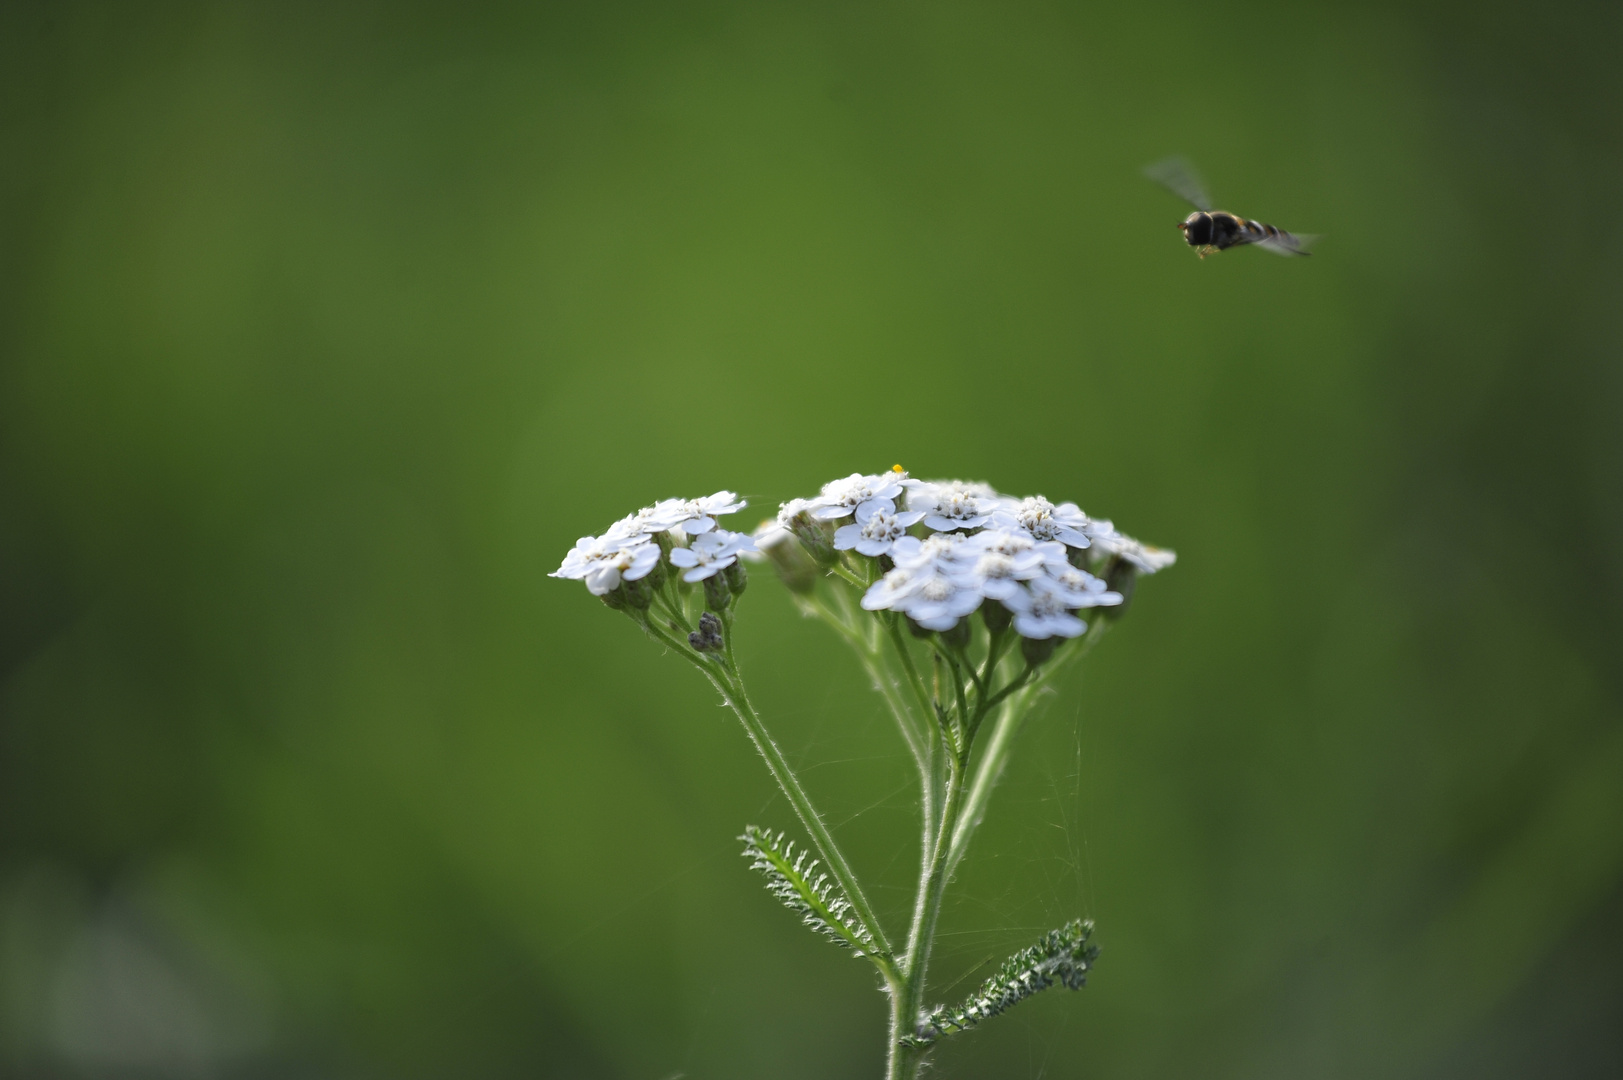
column 1208, row 230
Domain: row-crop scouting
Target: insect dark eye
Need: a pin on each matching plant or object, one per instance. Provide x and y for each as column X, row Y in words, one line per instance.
column 1200, row 229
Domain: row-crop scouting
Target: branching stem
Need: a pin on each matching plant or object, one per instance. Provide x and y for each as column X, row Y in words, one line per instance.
column 990, row 767
column 940, row 730
column 732, row 692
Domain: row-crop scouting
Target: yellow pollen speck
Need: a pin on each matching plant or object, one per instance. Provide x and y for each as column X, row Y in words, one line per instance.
column 897, row 468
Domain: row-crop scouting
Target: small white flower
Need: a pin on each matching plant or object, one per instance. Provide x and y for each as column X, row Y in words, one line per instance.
column 1045, row 521
column 920, row 488
column 929, row 584
column 840, row 498
column 888, row 591
column 787, row 512
column 587, row 550
column 939, row 602
column 877, row 528
column 1040, row 611
column 1001, row 558
column 1080, row 589
column 695, row 516
column 953, row 504
column 603, row 561
column 1110, row 542
column 710, row 553
column 944, row 548
column 645, row 522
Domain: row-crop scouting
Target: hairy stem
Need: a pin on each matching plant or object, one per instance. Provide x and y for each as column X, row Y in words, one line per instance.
column 731, row 690
column 905, row 1007
column 989, row 769
column 885, row 683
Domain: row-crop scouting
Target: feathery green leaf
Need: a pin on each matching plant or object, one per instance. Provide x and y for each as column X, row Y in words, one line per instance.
column 812, row 895
column 1063, row 956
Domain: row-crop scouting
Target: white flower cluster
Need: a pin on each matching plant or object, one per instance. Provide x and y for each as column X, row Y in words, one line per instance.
column 952, row 546
column 630, row 549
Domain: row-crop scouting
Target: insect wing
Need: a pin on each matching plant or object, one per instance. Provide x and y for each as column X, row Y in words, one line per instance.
column 1289, row 243
column 1179, row 177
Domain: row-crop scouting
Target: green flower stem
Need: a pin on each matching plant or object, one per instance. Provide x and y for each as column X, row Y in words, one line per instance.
column 868, row 650
column 841, row 625
column 899, row 643
column 732, row 693
column 955, row 787
column 903, row 1061
column 652, row 627
column 987, row 773
column 671, row 596
column 993, row 702
column 932, row 717
column 789, row 784
column 844, row 572
column 673, row 607
column 990, row 767
column 885, row 682
column 995, row 645
column 917, row 731
column 957, row 730
column 958, row 658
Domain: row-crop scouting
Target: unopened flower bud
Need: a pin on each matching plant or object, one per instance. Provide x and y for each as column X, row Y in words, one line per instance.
column 794, row 566
column 738, row 578
column 1120, row 576
column 996, row 617
column 817, row 537
column 639, row 594
column 1038, row 650
column 615, row 598
column 708, row 637
column 716, row 594
column 957, row 636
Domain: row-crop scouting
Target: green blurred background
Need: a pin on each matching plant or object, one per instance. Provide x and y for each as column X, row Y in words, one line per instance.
column 326, row 328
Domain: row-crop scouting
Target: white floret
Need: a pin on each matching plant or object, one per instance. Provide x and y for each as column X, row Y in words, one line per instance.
column 878, row 527
column 1064, row 523
column 1041, row 611
column 931, row 583
column 710, row 553
column 695, row 516
column 1110, row 542
column 604, row 561
column 950, row 505
column 840, row 498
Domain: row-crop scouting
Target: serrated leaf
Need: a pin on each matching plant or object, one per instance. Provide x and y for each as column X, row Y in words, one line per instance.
column 1063, row 956
column 795, row 880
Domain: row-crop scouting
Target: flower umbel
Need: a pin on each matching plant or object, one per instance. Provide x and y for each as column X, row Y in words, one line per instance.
column 963, row 605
